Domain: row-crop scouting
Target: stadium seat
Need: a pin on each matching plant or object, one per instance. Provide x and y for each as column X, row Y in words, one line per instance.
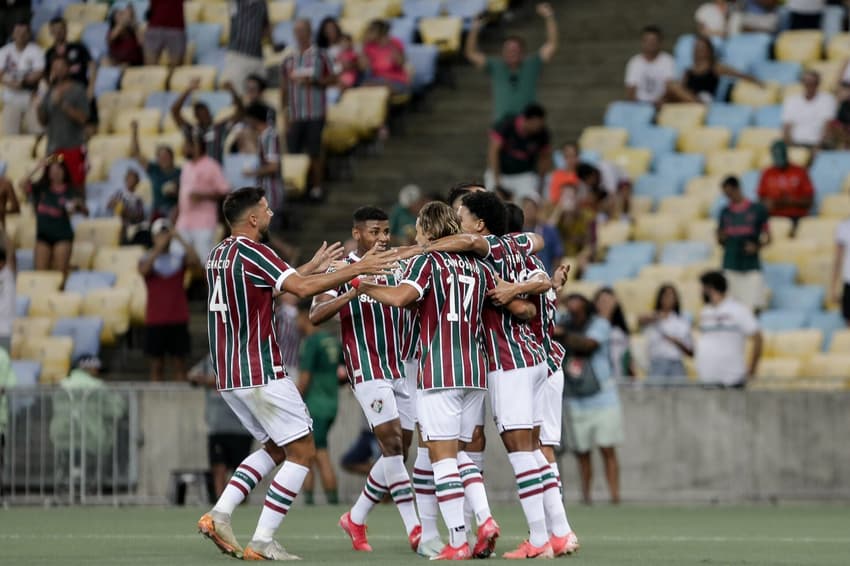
column 424, row 60
column 206, row 37
column 404, row 30
column 829, row 170
column 133, row 282
column 817, row 270
column 828, row 365
column 658, row 274
column 84, row 331
column 611, row 233
column 602, row 139
column 685, row 252
column 815, row 228
column 840, row 341
column 85, row 12
column 683, row 50
column 683, row 166
column 779, row 368
column 94, row 38
column 768, row 116
column 22, row 305
column 193, row 11
column 779, row 72
column 13, row 148
column 99, row 231
column 24, row 259
column 281, row 10
column 658, row 228
column 466, row 10
column 84, row 282
column 797, row 155
column 802, row 46
column 744, row 50
column 33, row 283
column 690, row 208
column 182, row 76
column 609, row 273
column 656, row 186
column 45, row 40
column 638, row 253
column 833, row 325
column 54, row 355
column 636, row 295
column 145, row 79
column 296, row 166
column 682, row 116
column 57, row 304
column 213, row 13
column 27, row 372
column 780, row 229
column 702, row 230
column 830, row 73
column 729, row 162
column 802, row 343
column 418, row 9
column 783, row 320
column 656, row 139
column 629, row 115
column 27, row 329
column 796, row 251
column 581, row 287
column 148, row 120
column 838, row 47
column 758, row 138
column 778, row 275
column 704, row 140
column 633, row 160
column 110, row 147
column 690, row 293
column 835, row 206
column 113, row 306
column 807, row 298
column 174, row 140
column 732, row 116
column 751, row 94
column 443, row 32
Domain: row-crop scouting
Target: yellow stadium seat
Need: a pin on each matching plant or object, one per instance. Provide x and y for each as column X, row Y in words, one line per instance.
column 444, row 32
column 216, row 13
column 57, row 304
column 802, row 46
column 640, row 205
column 99, row 231
column 612, row 232
column 840, row 343
column 147, row 118
column 828, row 365
column 797, row 155
column 801, row 344
column 110, row 148
column 830, row 73
column 497, row 6
column 96, row 166
column 835, row 206
column 838, row 47
column 796, row 251
column 659, row 228
column 634, row 161
column 23, row 226
column 780, row 228
column 33, row 283
column 817, row 270
column 658, row 274
column 779, row 368
column 296, row 166
column 580, row 287
column 26, row 329
column 367, row 9
column 182, row 76
column 751, row 94
column 817, row 228
column 339, row 138
column 110, row 103
column 693, row 271
column 637, row 296
column 690, row 293
column 601, row 139
column 729, row 162
column 758, row 138
column 682, row 116
column 135, row 284
column 364, row 108
column 113, row 306
column 704, row 140
column 688, row 208
column 45, row 40
column 54, row 354
column 706, row 188
column 146, row 79
column 355, row 27
column 118, row 259
column 86, row 13
column 14, row 148
column 281, row 11
column 703, row 230
column 17, row 168
column 192, row 10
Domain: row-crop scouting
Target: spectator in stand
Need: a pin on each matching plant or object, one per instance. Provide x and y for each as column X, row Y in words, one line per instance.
column 594, row 414
column 268, row 172
column 805, row 14
column 553, row 249
column 608, row 307
column 213, row 132
column 607, row 194
column 306, row 72
column 346, row 65
column 246, row 137
column 724, row 325
column 12, row 12
column 742, row 230
column 130, row 207
column 837, row 134
column 81, row 67
column 404, row 213
column 514, row 75
column 164, row 175
column 760, row 16
column 123, row 37
column 249, row 25
column 202, row 187
column 8, row 270
column 668, row 337
column 785, row 189
column 567, row 175
column 841, row 269
column 64, row 112
column 383, row 59
column 167, row 314
column 576, row 225
column 166, row 32
column 714, row 18
column 520, row 154
column 648, row 72
column 699, row 84
column 288, row 333
column 805, row 116
column 330, row 38
column 21, row 69
column 8, row 200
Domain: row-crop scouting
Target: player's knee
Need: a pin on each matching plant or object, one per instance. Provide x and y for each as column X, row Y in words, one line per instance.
column 277, row 453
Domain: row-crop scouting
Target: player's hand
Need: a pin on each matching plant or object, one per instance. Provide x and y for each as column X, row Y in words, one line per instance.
column 503, row 293
column 560, row 276
column 376, row 262
column 545, row 10
column 325, row 255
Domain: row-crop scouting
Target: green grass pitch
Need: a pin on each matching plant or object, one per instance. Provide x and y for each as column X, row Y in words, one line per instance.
column 742, row 535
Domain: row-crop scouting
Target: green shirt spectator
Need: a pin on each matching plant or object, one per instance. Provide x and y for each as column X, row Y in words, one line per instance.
column 320, row 357
column 162, row 172
column 403, row 215
column 741, row 229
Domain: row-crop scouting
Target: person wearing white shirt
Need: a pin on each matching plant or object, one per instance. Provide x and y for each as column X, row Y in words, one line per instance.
column 805, row 116
column 648, row 72
column 668, row 337
column 724, row 325
column 21, row 68
column 841, row 269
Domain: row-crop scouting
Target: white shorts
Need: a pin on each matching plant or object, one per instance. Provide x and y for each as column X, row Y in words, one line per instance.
column 411, row 376
column 384, row 400
column 513, row 396
column 275, row 411
column 748, row 287
column 203, row 240
column 450, row 414
column 552, row 408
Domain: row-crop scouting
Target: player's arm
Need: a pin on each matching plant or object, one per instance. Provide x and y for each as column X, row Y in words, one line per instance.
column 535, row 241
column 459, row 243
column 505, row 291
column 327, row 306
column 303, row 286
column 395, row 296
column 522, row 309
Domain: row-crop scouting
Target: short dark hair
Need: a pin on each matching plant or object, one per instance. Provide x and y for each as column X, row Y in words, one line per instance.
column 714, row 280
column 517, row 39
column 534, row 110
column 589, row 307
column 239, row 201
column 585, row 170
column 367, row 213
column 462, row 189
column 490, row 209
column 731, row 181
column 257, row 79
column 653, row 29
column 198, row 105
column 516, row 218
column 257, row 111
column 57, row 20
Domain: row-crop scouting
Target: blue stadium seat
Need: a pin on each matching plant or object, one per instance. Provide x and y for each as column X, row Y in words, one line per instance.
column 27, row 372
column 832, row 21
column 769, row 116
column 684, row 253
column 467, row 10
column 745, row 50
column 732, row 116
column 47, row 10
column 216, row 100
column 778, row 275
column 782, row 72
column 84, row 330
column 205, row 36
column 235, row 163
column 213, row 58
column 683, row 51
column 806, row 298
column 22, row 306
column 161, row 100
column 829, row 170
column 779, row 320
column 750, row 184
column 282, row 34
column 655, row 138
column 657, row 186
column 424, row 61
column 828, row 323
column 24, row 260
column 318, row 11
column 418, row 9
column 609, row 273
column 683, row 166
column 403, row 29
column 629, row 114
column 84, row 281
column 636, row 253
column 3, row 166
column 107, row 79
column 94, row 38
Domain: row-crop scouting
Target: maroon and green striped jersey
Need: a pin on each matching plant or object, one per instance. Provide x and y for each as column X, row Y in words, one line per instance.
column 543, row 323
column 371, row 333
column 242, row 276
column 452, row 294
column 511, row 344
column 410, row 335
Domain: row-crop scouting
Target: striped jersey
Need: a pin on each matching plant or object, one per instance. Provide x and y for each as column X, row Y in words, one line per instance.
column 306, row 101
column 242, row 276
column 452, row 294
column 410, row 335
column 371, row 334
column 543, row 323
column 511, row 344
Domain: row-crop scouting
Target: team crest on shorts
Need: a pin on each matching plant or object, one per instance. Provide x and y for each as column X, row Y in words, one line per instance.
column 377, row 405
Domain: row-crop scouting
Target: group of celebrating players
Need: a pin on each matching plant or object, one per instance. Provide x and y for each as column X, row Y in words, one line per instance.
column 427, row 331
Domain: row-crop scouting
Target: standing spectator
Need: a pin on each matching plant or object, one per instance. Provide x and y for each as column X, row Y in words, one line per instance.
column 130, row 207
column 785, row 189
column 701, row 80
column 202, row 186
column 608, row 307
column 404, row 213
column 319, row 385
column 21, row 68
column 805, row 14
column 742, row 230
column 12, row 12
column 553, row 248
column 166, row 32
column 8, row 380
column 805, row 116
column 595, row 415
column 268, row 172
column 519, row 155
column 837, row 132
column 125, row 47
column 81, row 66
column 305, row 74
column 566, row 175
column 249, row 25
column 383, row 59
column 514, row 75
column 330, row 38
column 64, row 111
column 164, row 175
column 167, row 314
column 576, row 225
column 648, row 72
column 724, row 325
column 288, row 333
column 668, row 337
column 213, row 132
column 7, row 298
column 714, row 19
column 841, row 269
column 760, row 16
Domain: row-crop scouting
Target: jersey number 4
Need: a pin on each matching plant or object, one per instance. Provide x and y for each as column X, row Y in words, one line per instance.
column 469, row 288
column 217, row 303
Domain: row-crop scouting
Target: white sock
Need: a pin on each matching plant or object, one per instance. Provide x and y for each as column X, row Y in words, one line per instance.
column 556, row 515
column 426, row 500
column 246, row 477
column 282, row 492
column 530, row 490
column 473, row 488
column 398, row 484
column 374, row 490
column 554, row 467
column 450, row 499
column 477, row 459
column 468, row 513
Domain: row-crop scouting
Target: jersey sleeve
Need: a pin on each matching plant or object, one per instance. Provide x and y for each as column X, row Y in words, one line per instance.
column 264, row 267
column 489, row 276
column 418, row 274
column 524, row 241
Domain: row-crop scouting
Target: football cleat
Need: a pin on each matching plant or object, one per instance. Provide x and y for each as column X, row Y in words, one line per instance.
column 272, row 550
column 451, row 553
column 527, row 550
column 356, row 532
column 415, row 537
column 488, row 532
column 216, row 527
column 565, row 545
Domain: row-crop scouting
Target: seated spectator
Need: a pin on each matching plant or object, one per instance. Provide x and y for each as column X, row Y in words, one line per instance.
column 837, row 134
column 330, row 38
column 123, row 37
column 724, row 325
column 167, row 314
column 164, row 175
column 608, row 307
column 567, row 175
column 404, row 213
column 805, row 116
column 714, row 18
column 130, row 207
column 668, row 337
column 21, row 69
column 805, row 14
column 648, row 72
column 606, row 195
column 213, row 132
column 166, row 32
column 8, row 201
column 383, row 59
column 268, row 173
column 785, row 189
column 699, row 84
column 519, row 155
column 760, row 16
column 553, row 249
column 345, row 64
column 576, row 224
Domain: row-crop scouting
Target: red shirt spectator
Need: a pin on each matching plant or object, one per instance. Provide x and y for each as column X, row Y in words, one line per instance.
column 786, row 191
column 166, row 14
column 124, row 45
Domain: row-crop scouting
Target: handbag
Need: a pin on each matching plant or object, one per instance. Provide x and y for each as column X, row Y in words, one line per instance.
column 579, row 378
